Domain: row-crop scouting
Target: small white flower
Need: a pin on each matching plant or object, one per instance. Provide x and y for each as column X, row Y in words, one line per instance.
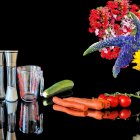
column 127, row 34
column 96, row 31
column 112, row 47
column 115, row 16
column 113, row 33
column 105, row 50
column 133, row 26
column 104, row 37
column 124, row 30
column 106, row 32
column 125, row 16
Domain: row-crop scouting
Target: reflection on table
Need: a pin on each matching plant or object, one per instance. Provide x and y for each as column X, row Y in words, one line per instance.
column 2, row 119
column 30, row 120
column 11, row 116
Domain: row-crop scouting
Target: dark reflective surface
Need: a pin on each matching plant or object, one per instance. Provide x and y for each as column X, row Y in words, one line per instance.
column 20, row 120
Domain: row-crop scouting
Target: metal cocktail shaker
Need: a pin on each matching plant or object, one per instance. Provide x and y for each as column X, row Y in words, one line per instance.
column 2, row 92
column 11, row 58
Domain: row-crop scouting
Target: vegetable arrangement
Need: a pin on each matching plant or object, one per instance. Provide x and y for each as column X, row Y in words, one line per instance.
column 82, row 107
column 98, row 108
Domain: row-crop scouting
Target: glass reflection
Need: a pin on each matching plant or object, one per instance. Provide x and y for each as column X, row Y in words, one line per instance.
column 48, row 101
column 2, row 119
column 11, row 115
column 30, row 120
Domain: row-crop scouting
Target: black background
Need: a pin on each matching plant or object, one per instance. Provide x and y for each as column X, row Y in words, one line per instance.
column 54, row 35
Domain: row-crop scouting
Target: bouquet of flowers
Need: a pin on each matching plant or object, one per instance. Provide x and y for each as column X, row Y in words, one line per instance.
column 117, row 26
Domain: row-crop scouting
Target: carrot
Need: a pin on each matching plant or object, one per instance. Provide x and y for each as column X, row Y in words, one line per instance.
column 69, row 104
column 95, row 114
column 90, row 103
column 70, row 111
column 105, row 102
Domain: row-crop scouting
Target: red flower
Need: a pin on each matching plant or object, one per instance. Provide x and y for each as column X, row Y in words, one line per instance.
column 134, row 8
column 111, row 53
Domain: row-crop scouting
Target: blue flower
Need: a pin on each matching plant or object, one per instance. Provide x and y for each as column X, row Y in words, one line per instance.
column 128, row 44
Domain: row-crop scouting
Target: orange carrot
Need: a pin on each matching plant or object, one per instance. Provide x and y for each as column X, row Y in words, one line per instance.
column 95, row 114
column 90, row 103
column 69, row 104
column 105, row 102
column 70, row 111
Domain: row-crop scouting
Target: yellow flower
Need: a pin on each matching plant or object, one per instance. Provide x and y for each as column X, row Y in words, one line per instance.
column 137, row 60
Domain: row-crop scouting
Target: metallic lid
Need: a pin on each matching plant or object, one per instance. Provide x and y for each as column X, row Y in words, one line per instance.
column 11, row 57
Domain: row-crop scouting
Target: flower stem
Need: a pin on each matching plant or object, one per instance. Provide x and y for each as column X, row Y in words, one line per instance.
column 133, row 95
column 130, row 95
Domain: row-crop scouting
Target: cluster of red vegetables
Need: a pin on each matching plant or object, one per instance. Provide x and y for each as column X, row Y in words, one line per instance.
column 110, row 16
column 124, row 113
column 117, row 100
column 95, row 107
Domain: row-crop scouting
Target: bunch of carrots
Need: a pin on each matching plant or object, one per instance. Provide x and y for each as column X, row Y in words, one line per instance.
column 81, row 107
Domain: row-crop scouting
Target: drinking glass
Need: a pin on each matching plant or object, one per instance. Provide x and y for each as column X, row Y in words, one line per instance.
column 31, row 82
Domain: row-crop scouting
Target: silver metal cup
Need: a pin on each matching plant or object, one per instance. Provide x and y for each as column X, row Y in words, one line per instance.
column 2, row 91
column 11, row 59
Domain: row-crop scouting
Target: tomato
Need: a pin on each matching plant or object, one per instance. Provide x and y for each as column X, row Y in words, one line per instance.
column 124, row 101
column 102, row 96
column 111, row 115
column 125, row 114
column 118, row 96
column 114, row 101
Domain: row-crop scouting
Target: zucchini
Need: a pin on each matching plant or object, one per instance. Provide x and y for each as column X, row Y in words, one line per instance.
column 58, row 87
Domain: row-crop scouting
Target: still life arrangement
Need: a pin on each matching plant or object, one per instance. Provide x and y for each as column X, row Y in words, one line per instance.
column 117, row 25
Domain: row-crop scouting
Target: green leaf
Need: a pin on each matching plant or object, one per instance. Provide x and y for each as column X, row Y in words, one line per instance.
column 134, row 31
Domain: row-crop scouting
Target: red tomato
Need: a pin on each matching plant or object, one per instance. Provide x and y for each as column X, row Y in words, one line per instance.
column 118, row 96
column 125, row 114
column 111, row 115
column 102, row 96
column 114, row 101
column 124, row 101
